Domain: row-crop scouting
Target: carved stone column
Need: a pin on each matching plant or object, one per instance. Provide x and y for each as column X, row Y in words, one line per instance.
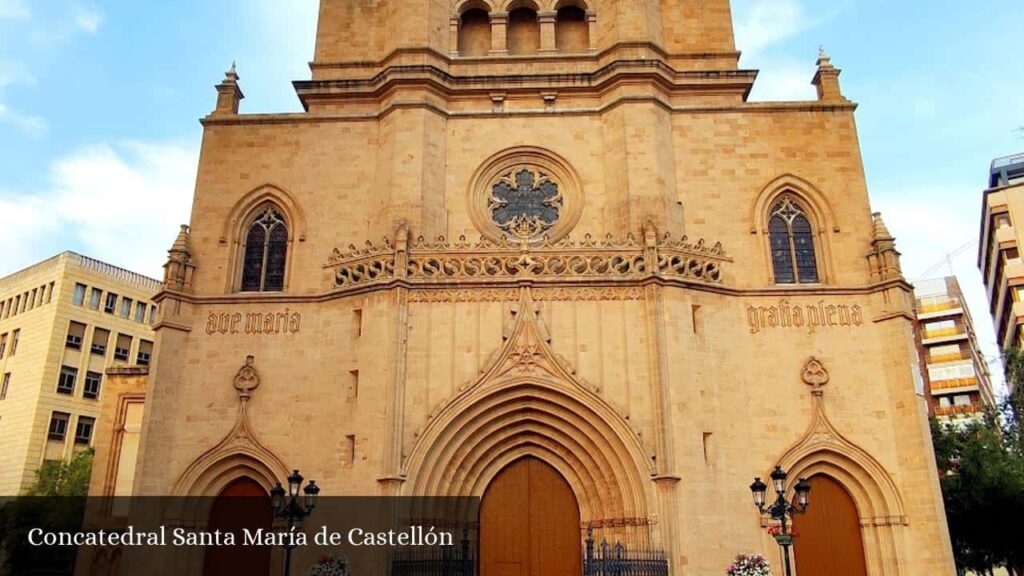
column 547, row 19
column 499, row 33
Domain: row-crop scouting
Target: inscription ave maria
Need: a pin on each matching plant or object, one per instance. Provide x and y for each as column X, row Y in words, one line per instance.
column 286, row 322
column 811, row 316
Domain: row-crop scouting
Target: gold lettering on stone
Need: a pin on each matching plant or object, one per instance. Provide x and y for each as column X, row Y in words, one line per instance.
column 809, row 316
column 269, row 322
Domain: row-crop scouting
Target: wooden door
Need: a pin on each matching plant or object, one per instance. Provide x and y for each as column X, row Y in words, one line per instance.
column 243, row 504
column 828, row 540
column 530, row 523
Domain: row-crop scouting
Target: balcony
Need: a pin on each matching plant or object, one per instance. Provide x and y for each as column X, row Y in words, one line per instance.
column 962, row 410
column 955, row 384
column 942, row 306
column 943, row 335
column 952, row 357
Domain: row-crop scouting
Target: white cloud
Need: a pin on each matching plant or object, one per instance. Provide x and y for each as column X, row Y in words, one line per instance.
column 32, row 126
column 87, row 19
column 768, row 22
column 784, row 82
column 121, row 203
column 14, row 10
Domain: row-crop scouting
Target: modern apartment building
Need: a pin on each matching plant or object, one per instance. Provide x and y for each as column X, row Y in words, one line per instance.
column 1002, row 270
column 63, row 322
column 956, row 373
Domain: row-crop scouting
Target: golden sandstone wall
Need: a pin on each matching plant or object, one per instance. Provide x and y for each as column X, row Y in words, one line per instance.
column 657, row 392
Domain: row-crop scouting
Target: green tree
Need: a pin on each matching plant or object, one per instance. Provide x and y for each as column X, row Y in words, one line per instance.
column 982, row 466
column 55, row 502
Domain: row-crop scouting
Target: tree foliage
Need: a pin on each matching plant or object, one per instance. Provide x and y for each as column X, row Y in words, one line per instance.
column 55, row 502
column 982, row 467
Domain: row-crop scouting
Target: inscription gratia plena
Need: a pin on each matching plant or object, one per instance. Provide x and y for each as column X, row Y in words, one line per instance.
column 285, row 322
column 809, row 316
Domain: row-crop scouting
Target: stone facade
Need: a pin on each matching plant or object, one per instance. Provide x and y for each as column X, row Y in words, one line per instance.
column 421, row 342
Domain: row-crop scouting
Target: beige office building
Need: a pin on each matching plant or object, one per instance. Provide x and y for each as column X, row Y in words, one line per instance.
column 956, row 373
column 1002, row 270
column 63, row 322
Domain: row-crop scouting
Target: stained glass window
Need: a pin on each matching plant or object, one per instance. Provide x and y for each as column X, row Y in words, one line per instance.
column 265, row 253
column 792, row 244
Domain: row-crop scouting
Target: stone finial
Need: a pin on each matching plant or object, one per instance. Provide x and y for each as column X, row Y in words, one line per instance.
column 826, row 79
column 179, row 267
column 247, row 379
column 883, row 259
column 229, row 95
column 881, row 231
column 814, row 374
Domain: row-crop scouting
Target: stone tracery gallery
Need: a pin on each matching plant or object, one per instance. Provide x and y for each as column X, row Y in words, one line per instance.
column 543, row 253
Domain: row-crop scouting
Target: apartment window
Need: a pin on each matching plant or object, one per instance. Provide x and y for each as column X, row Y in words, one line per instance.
column 32, row 299
column 66, row 381
column 14, row 341
column 78, row 297
column 76, row 334
column 123, row 347
column 4, row 386
column 83, row 431
column 152, row 314
column 111, row 304
column 126, row 307
column 17, row 304
column 145, row 353
column 961, row 400
column 94, row 298
column 3, row 344
column 49, row 293
column 140, row 311
column 100, row 337
column 93, row 381
column 59, row 425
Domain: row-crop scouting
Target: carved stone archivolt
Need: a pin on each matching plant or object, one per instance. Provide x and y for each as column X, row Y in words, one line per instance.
column 239, row 453
column 484, row 262
column 823, row 449
column 528, row 401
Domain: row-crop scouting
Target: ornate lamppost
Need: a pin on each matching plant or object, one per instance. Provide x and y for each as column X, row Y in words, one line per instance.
column 780, row 509
column 286, row 506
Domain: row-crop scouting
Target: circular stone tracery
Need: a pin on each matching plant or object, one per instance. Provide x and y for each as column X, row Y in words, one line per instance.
column 525, row 193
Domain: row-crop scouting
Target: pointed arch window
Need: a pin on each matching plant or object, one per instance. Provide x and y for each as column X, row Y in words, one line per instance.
column 791, row 236
column 265, row 252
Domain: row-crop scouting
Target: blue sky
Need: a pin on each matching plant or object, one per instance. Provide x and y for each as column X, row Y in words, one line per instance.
column 100, row 100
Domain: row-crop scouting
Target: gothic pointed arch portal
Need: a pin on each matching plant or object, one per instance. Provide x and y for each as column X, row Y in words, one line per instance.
column 530, row 404
column 829, row 541
column 528, row 523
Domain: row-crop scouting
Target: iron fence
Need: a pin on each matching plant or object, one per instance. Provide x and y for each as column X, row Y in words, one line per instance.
column 432, row 561
column 618, row 560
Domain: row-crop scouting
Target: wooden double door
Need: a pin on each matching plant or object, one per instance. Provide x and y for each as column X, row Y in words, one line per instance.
column 530, row 523
column 828, row 539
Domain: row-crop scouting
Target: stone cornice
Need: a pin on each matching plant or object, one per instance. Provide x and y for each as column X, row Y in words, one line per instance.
column 616, row 51
column 769, row 292
column 596, row 83
column 809, row 106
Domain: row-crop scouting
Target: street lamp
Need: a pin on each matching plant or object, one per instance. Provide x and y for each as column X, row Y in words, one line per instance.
column 286, row 506
column 780, row 509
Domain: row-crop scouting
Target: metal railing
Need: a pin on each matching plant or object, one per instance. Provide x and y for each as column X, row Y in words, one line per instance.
column 618, row 560
column 433, row 561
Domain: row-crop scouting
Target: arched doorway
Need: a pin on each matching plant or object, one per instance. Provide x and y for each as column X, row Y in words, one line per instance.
column 530, row 523
column 828, row 541
column 242, row 504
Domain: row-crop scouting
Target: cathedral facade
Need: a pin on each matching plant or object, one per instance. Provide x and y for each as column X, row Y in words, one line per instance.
column 547, row 253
